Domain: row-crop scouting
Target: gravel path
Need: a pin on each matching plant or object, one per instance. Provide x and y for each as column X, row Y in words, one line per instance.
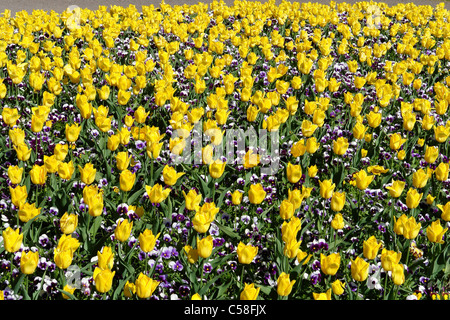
column 61, row 5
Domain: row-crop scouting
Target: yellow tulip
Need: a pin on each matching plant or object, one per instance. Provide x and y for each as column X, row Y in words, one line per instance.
column 147, row 240
column 236, row 197
column 374, row 119
column 105, row 258
column 312, row 145
column 293, row 172
column 72, row 132
column 66, row 170
column 23, row 152
column 249, row 292
column 286, row 210
column 28, row 211
column 389, row 258
column 445, row 211
column 431, row 154
column 256, row 194
column 330, row 264
column 205, row 246
column 156, row 193
column 140, row 115
column 170, row 175
column 284, row 284
column 359, row 269
column 396, row 188
column 61, row 151
column 123, row 160
column 420, row 178
column 362, row 179
column 68, row 223
column 192, row 199
column 103, row 279
column 123, row 230
column 370, row 248
column 338, row 222
column 10, row 116
column 442, row 171
column 191, row 253
column 398, row 274
column 28, row 262
column 322, row 295
column 217, row 168
column 15, row 174
column 338, row 287
column 18, row 195
column 126, row 180
column 145, row 286
column 413, row 198
column 246, row 253
column 435, row 232
column 340, row 146
column 12, row 239
column 326, row 189
column 337, row 201
column 87, row 173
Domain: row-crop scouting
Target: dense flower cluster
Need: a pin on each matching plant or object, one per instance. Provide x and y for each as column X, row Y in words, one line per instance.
column 98, row 107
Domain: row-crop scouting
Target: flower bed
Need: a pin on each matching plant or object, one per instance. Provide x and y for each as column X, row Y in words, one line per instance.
column 257, row 151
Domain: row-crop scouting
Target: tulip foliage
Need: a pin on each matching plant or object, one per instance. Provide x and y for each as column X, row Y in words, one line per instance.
column 99, row 106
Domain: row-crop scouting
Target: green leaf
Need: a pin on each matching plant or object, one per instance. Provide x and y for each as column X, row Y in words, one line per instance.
column 228, row 231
